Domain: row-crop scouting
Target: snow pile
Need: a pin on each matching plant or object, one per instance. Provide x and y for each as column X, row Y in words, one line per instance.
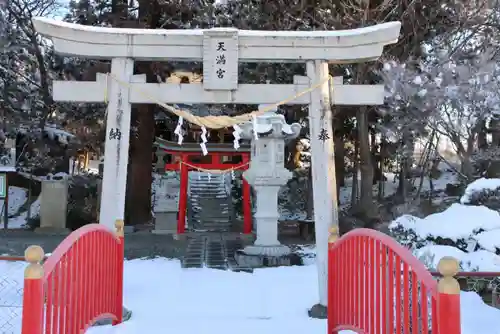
column 469, row 233
column 456, row 225
column 481, row 192
column 21, row 220
column 480, row 260
column 489, row 240
column 17, row 198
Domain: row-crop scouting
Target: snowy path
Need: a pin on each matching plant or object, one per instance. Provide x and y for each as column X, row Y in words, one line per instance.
column 162, row 297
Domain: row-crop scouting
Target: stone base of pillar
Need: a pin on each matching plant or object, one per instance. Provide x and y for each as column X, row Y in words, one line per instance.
column 274, row 251
column 266, row 256
column 127, row 314
column 318, row 311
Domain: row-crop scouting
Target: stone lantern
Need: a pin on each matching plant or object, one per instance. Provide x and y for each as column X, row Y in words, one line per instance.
column 267, row 174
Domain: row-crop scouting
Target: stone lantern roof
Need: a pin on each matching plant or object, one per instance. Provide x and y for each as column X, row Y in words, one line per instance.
column 270, row 124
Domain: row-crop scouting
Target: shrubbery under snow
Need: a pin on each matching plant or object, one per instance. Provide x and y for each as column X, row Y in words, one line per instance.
column 468, row 231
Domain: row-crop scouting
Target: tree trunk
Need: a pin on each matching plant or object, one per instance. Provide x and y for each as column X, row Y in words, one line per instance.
column 366, row 207
column 354, row 186
column 140, row 166
column 482, row 141
column 383, row 157
column 141, row 151
column 339, row 162
column 310, row 199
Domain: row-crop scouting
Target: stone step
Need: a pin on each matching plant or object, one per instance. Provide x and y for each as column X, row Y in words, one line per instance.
column 213, row 229
column 200, row 215
column 204, row 192
column 210, row 210
column 209, row 203
column 207, row 185
column 207, row 219
column 220, row 186
column 212, row 215
column 212, row 221
column 210, row 200
column 208, row 195
column 213, row 178
column 208, row 189
column 214, row 197
column 204, row 207
column 198, row 207
column 214, row 251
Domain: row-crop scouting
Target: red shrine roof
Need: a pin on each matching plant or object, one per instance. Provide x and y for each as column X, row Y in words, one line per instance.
column 195, row 147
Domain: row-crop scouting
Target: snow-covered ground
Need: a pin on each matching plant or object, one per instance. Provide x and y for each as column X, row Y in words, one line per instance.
column 166, row 298
column 17, row 198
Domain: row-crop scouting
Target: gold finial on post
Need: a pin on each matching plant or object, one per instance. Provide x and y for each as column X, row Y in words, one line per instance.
column 334, row 234
column 34, row 256
column 119, row 224
column 448, row 267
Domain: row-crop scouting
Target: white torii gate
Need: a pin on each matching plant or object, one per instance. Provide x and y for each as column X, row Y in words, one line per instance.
column 221, row 50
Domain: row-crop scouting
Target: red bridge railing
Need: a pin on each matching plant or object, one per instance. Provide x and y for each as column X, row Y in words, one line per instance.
column 376, row 286
column 79, row 284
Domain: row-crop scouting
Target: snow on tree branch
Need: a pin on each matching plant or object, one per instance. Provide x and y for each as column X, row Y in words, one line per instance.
column 453, row 95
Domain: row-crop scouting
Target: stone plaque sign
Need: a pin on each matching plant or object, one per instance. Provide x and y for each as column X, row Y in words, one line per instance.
column 220, row 59
column 167, row 194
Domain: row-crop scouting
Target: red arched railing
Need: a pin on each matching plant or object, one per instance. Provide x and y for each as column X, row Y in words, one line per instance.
column 376, row 286
column 80, row 283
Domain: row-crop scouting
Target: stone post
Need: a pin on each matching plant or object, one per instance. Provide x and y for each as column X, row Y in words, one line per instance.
column 53, row 206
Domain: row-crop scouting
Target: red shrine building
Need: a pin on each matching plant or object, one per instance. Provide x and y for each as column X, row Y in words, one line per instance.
column 204, row 201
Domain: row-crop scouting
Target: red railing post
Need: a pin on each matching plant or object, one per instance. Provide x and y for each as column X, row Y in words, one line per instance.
column 181, row 220
column 119, row 225
column 448, row 306
column 33, row 297
column 247, row 201
column 333, row 281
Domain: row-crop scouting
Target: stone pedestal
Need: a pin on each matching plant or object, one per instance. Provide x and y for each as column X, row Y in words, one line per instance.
column 266, row 219
column 165, row 222
column 53, row 206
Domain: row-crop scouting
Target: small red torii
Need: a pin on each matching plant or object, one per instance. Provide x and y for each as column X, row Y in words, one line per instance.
column 220, row 157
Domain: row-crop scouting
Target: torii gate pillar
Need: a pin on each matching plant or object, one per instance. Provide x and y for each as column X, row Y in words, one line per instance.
column 221, row 50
